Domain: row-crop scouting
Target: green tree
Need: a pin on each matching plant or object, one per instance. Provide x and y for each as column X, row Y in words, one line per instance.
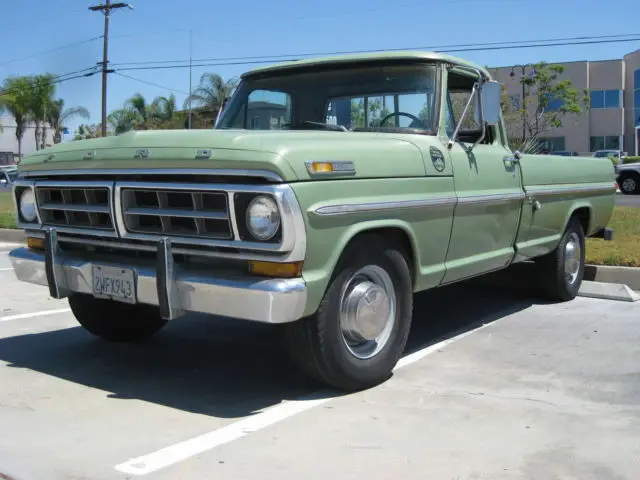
column 548, row 99
column 57, row 116
column 122, row 120
column 41, row 94
column 211, row 92
column 17, row 101
column 84, row 132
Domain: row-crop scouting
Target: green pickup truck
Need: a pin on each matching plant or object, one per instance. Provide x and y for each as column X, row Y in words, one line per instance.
column 328, row 193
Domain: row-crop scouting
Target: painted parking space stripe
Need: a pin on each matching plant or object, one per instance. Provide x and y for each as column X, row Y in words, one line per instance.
column 43, row 313
column 178, row 452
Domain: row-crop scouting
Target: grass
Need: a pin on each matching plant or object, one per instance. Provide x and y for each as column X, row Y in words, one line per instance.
column 7, row 216
column 624, row 250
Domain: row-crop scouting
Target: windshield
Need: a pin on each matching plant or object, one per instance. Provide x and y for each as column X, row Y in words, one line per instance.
column 361, row 98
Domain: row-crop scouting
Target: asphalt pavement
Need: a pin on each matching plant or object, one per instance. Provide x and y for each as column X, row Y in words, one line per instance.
column 628, row 200
column 495, row 385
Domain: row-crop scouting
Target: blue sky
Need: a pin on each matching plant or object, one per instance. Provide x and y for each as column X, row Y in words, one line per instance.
column 158, row 30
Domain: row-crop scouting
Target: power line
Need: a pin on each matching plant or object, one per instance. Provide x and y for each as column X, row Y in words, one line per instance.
column 85, row 72
column 451, row 50
column 151, row 83
column 64, row 47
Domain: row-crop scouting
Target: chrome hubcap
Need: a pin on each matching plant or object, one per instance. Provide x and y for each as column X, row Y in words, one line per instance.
column 367, row 311
column 629, row 185
column 572, row 256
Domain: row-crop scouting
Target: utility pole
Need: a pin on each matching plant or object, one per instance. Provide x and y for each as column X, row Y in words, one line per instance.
column 106, row 10
column 190, row 72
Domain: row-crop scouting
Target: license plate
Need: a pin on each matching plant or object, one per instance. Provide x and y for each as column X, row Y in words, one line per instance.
column 114, row 283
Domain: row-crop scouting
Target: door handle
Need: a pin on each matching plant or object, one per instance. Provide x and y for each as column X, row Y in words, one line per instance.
column 511, row 159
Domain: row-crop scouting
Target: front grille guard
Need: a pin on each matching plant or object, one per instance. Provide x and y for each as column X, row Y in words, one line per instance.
column 165, row 274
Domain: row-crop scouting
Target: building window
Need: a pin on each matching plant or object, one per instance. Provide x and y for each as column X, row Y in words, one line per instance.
column 608, row 142
column 606, row 98
column 552, row 144
column 515, row 101
column 554, row 103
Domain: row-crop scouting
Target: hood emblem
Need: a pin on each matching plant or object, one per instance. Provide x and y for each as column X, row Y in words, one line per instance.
column 142, row 153
column 89, row 155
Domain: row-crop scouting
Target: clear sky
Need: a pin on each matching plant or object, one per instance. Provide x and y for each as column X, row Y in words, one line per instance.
column 157, row 30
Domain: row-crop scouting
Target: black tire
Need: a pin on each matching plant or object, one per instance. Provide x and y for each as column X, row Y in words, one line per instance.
column 316, row 344
column 629, row 183
column 556, row 284
column 116, row 321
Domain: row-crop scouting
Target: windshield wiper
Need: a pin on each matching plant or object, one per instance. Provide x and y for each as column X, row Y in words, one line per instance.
column 328, row 126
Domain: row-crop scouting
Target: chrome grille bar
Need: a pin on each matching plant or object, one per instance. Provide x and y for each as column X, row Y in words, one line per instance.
column 173, row 212
column 76, row 206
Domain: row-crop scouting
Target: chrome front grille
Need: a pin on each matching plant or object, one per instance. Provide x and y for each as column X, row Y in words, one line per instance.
column 183, row 213
column 85, row 207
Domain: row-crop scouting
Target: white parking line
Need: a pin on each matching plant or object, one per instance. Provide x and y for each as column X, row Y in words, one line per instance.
column 181, row 451
column 21, row 316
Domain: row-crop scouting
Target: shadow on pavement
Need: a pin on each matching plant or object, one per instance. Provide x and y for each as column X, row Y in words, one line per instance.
column 227, row 368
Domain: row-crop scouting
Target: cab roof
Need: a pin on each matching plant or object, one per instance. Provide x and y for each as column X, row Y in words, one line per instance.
column 408, row 55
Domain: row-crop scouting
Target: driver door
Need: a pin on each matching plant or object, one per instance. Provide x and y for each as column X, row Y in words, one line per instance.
column 489, row 191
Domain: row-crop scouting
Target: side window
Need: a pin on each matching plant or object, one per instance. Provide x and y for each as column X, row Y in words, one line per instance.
column 459, row 92
column 265, row 110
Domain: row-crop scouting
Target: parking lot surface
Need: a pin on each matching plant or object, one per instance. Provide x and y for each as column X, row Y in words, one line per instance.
column 495, row 385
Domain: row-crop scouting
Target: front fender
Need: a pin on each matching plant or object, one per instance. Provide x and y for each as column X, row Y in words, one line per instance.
column 319, row 268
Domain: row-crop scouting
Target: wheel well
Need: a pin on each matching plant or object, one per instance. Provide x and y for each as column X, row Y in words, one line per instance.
column 628, row 173
column 583, row 214
column 395, row 236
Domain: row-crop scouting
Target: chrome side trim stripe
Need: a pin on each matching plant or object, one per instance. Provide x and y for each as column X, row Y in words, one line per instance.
column 571, row 190
column 267, row 175
column 344, row 209
column 542, row 191
column 497, row 198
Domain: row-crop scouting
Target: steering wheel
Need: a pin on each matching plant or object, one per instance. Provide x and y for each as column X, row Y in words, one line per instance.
column 404, row 114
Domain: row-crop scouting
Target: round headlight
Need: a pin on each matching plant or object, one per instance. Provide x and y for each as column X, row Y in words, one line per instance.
column 263, row 217
column 28, row 205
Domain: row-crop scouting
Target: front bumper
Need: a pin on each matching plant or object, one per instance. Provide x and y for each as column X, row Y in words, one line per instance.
column 171, row 288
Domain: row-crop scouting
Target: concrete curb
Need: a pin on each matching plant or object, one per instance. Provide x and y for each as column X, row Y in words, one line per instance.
column 629, row 276
column 12, row 235
column 608, row 291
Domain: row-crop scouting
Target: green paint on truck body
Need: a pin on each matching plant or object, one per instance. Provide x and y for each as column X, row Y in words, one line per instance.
column 459, row 214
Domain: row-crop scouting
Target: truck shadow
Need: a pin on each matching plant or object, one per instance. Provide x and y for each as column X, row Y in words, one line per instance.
column 226, row 368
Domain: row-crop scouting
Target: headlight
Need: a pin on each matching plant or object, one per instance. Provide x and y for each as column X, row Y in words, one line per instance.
column 263, row 217
column 28, row 205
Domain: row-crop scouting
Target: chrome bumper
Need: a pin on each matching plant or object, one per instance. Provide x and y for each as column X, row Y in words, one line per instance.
column 174, row 290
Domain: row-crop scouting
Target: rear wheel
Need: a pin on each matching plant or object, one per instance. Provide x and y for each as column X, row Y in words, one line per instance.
column 629, row 183
column 561, row 271
column 116, row 321
column 360, row 330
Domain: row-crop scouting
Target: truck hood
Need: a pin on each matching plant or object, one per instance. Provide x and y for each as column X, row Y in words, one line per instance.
column 281, row 152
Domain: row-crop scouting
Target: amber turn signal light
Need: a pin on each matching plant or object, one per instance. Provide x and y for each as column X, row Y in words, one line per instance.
column 35, row 243
column 275, row 269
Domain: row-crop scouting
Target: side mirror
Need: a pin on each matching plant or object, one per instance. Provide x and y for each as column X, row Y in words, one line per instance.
column 490, row 95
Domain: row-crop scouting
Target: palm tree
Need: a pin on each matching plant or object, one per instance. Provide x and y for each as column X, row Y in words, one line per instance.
column 16, row 101
column 122, row 120
column 57, row 116
column 211, row 92
column 137, row 104
column 41, row 97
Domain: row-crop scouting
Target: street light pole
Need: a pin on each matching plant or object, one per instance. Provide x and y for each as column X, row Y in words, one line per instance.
column 106, row 10
column 190, row 72
column 524, row 101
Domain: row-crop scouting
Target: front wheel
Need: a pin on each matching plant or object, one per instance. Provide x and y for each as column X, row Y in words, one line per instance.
column 561, row 271
column 360, row 330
